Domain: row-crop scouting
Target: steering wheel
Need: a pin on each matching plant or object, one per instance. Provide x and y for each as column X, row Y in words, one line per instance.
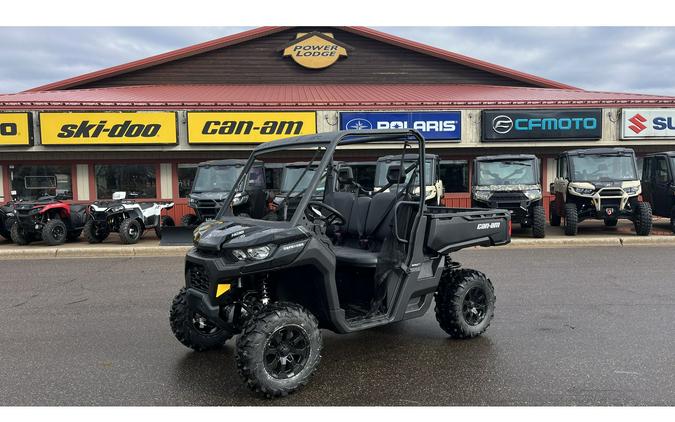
column 318, row 210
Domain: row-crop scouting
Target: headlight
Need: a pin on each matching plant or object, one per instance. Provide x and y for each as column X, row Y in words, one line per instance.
column 117, row 208
column 192, row 202
column 239, row 254
column 581, row 191
column 632, row 190
column 482, row 195
column 533, row 194
column 256, row 253
column 239, row 199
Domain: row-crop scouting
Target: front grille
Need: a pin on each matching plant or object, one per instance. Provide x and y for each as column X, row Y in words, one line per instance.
column 198, row 278
column 206, row 203
column 610, row 192
column 611, row 203
column 508, row 197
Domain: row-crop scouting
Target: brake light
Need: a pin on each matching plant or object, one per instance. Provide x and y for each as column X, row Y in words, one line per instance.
column 509, row 227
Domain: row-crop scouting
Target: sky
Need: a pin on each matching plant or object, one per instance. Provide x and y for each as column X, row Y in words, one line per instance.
column 619, row 59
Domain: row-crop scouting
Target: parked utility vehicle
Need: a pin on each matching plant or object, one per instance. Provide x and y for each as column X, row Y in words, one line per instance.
column 511, row 182
column 128, row 218
column 214, row 181
column 276, row 282
column 47, row 219
column 434, row 185
column 7, row 219
column 658, row 184
column 601, row 184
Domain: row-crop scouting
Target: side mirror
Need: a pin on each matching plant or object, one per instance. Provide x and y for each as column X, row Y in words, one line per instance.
column 345, row 176
column 550, row 188
column 395, row 174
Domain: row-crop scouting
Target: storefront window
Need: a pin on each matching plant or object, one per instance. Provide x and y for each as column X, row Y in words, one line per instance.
column 34, row 181
column 138, row 180
column 455, row 175
column 186, row 176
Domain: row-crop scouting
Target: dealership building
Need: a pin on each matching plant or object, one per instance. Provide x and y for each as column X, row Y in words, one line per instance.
column 144, row 125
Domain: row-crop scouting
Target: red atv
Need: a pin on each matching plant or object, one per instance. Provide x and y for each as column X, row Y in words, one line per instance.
column 48, row 219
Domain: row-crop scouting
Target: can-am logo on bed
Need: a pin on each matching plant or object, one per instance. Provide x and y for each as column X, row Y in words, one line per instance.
column 640, row 123
column 433, row 125
column 315, row 50
column 15, row 129
column 513, row 125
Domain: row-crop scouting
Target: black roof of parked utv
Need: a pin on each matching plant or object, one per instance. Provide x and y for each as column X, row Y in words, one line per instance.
column 506, row 157
column 667, row 153
column 407, row 157
column 591, row 151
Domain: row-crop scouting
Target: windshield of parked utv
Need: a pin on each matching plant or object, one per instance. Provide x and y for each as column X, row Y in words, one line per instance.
column 602, row 168
column 510, row 172
column 383, row 167
column 296, row 179
column 216, row 178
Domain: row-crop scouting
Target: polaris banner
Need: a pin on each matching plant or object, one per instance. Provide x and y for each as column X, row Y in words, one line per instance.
column 544, row 125
column 433, row 125
column 640, row 123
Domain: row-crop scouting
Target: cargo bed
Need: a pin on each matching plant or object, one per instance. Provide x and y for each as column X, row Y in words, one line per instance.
column 452, row 229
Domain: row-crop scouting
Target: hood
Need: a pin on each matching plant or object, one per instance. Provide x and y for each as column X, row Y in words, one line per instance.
column 237, row 232
column 507, row 188
column 216, row 196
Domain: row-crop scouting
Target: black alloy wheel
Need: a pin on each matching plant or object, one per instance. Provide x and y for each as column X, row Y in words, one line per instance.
column 287, row 351
column 475, row 306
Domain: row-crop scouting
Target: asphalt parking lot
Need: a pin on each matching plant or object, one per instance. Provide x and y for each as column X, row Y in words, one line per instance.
column 574, row 326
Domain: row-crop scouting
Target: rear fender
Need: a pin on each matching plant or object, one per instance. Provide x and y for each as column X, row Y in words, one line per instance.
column 63, row 210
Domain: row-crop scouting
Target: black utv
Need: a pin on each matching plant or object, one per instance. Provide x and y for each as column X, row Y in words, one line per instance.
column 511, row 182
column 276, row 282
column 7, row 219
column 601, row 184
column 214, row 181
column 658, row 184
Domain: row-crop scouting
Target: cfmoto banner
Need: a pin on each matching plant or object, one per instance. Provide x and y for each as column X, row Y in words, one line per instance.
column 640, row 123
column 507, row 125
column 435, row 126
column 106, row 128
column 247, row 127
column 15, row 129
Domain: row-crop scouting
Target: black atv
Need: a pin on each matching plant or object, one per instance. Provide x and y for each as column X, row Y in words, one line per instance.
column 48, row 219
column 7, row 219
column 658, row 184
column 601, row 184
column 510, row 182
column 344, row 263
column 214, row 181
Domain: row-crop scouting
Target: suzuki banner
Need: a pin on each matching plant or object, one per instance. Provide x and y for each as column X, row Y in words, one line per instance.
column 544, row 125
column 247, row 127
column 104, row 128
column 433, row 125
column 15, row 129
column 641, row 123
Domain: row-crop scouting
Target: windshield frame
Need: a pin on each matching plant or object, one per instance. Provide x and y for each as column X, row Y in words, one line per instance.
column 571, row 172
column 536, row 175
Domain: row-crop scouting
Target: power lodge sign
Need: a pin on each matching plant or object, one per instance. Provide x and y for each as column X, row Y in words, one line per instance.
column 247, row 127
column 315, row 50
column 105, row 128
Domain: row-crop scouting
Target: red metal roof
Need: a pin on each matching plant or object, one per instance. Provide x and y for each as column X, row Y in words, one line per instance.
column 332, row 97
column 267, row 30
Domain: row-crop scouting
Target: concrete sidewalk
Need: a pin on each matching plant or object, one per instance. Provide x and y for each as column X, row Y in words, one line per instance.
column 591, row 233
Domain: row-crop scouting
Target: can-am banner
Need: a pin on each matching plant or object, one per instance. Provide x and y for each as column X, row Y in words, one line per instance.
column 434, row 125
column 640, row 123
column 509, row 125
column 247, row 127
column 15, row 129
column 106, row 128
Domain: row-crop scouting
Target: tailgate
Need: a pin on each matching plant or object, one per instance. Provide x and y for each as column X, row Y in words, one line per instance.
column 452, row 229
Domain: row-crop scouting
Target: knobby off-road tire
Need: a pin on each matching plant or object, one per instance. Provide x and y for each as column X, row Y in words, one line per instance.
column 279, row 349
column 553, row 216
column 92, row 235
column 130, row 231
column 18, row 236
column 165, row 221
column 571, row 220
column 188, row 220
column 55, row 232
column 538, row 221
column 643, row 219
column 465, row 303
column 187, row 328
column 611, row 222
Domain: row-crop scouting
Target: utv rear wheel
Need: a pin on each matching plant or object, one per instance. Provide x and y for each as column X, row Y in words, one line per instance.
column 465, row 303
column 278, row 349
column 643, row 219
column 130, row 231
column 95, row 234
column 188, row 220
column 553, row 216
column 571, row 219
column 538, row 221
column 165, row 221
column 55, row 232
column 193, row 329
column 18, row 236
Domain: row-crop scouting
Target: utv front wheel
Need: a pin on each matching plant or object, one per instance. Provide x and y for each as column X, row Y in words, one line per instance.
column 130, row 231
column 538, row 221
column 55, row 232
column 571, row 220
column 554, row 217
column 193, row 329
column 165, row 221
column 94, row 234
column 189, row 220
column 465, row 303
column 643, row 219
column 279, row 349
column 18, row 236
